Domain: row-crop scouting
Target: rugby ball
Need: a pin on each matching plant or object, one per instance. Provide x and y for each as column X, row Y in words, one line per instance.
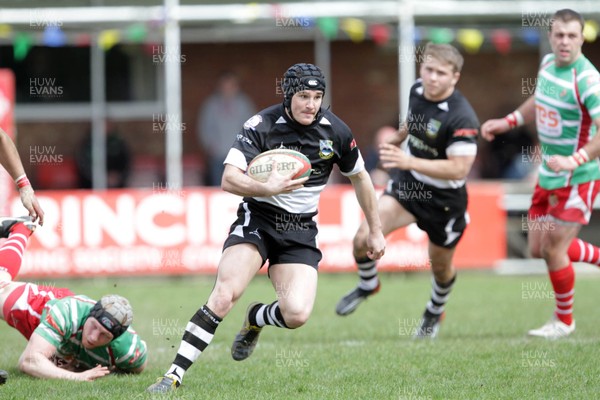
column 287, row 161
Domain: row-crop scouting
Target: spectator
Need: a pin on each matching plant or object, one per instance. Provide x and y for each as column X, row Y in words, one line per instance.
column 219, row 120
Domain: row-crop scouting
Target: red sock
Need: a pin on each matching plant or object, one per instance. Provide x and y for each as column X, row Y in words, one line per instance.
column 563, row 282
column 11, row 251
column 580, row 251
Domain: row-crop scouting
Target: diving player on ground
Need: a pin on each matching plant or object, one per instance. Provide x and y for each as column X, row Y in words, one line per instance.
column 68, row 336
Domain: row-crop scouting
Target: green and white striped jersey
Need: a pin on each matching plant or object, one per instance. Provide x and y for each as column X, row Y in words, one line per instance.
column 567, row 100
column 61, row 325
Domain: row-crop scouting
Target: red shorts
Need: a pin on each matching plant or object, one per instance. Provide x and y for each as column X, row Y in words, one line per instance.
column 23, row 307
column 570, row 204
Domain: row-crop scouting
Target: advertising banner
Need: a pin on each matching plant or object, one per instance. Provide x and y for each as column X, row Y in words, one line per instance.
column 166, row 232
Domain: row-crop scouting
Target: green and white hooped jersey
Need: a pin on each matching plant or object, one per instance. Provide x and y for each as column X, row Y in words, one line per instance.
column 567, row 100
column 61, row 324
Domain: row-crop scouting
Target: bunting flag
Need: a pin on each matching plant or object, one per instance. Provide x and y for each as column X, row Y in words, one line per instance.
column 470, row 39
column 590, row 31
column 502, row 41
column 380, row 33
column 108, row 39
column 355, row 29
column 441, row 35
column 5, row 31
column 54, row 36
column 21, row 45
column 136, row 33
column 83, row 40
column 328, row 27
column 418, row 34
column 531, row 36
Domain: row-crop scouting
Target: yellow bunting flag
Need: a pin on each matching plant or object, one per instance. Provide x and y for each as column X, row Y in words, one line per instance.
column 590, row 31
column 355, row 29
column 5, row 31
column 108, row 39
column 470, row 39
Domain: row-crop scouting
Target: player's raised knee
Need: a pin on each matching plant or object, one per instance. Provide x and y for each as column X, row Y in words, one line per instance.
column 359, row 244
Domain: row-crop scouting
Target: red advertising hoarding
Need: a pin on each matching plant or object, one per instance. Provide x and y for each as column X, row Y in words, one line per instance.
column 137, row 232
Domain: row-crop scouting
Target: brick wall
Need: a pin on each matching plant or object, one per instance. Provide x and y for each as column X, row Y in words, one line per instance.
column 364, row 89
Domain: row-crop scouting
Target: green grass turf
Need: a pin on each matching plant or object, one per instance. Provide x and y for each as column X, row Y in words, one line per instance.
column 482, row 350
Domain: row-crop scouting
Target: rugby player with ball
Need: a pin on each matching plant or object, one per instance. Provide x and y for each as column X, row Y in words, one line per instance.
column 276, row 216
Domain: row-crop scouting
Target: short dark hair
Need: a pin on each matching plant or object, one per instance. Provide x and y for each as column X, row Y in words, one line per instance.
column 567, row 15
column 445, row 53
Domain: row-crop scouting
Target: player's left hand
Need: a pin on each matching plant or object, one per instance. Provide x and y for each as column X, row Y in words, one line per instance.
column 30, row 202
column 561, row 163
column 393, row 157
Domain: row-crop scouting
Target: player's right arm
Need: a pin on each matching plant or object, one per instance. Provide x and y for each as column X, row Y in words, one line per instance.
column 524, row 114
column 365, row 194
column 35, row 361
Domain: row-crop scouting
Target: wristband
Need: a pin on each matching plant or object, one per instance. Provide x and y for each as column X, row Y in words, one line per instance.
column 22, row 181
column 515, row 119
column 584, row 155
column 579, row 157
column 574, row 161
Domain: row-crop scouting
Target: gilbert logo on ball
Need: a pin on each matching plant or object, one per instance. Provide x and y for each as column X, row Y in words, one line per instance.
column 289, row 163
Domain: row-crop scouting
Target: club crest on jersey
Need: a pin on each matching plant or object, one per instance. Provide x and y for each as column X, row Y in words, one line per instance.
column 325, row 149
column 253, row 122
column 433, row 127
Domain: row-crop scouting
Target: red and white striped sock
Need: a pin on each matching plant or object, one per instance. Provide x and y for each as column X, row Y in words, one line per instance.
column 580, row 251
column 563, row 282
column 11, row 251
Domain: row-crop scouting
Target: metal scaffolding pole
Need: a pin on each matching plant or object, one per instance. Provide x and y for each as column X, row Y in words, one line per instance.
column 406, row 54
column 173, row 140
column 323, row 61
column 98, row 83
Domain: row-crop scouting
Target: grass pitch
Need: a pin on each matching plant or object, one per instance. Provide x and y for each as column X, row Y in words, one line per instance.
column 482, row 350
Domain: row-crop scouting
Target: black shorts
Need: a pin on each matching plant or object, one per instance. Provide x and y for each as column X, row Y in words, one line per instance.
column 442, row 213
column 281, row 237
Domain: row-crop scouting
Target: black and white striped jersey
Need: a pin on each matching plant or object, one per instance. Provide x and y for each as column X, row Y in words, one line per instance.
column 439, row 129
column 325, row 142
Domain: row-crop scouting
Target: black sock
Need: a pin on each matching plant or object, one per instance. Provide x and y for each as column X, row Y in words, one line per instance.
column 439, row 296
column 367, row 271
column 263, row 314
column 198, row 335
